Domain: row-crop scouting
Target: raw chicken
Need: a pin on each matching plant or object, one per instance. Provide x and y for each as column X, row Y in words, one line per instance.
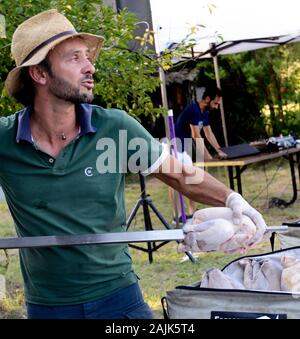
column 212, row 229
column 261, row 274
column 214, row 278
column 290, row 277
column 212, row 213
column 207, row 236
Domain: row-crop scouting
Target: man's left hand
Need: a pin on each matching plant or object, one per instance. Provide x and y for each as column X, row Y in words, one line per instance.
column 222, row 155
column 239, row 207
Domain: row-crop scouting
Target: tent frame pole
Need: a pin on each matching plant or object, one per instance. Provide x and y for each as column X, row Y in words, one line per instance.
column 163, row 88
column 218, row 82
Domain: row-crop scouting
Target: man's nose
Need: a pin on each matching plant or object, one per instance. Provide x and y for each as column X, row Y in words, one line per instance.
column 88, row 67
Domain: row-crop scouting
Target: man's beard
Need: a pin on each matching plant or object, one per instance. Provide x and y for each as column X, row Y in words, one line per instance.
column 64, row 90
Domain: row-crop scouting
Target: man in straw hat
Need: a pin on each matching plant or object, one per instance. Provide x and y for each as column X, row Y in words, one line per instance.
column 54, row 173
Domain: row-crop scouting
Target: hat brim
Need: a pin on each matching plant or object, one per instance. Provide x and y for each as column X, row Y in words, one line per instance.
column 94, row 42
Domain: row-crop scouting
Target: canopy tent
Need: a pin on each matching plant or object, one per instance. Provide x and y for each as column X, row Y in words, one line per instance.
column 244, row 26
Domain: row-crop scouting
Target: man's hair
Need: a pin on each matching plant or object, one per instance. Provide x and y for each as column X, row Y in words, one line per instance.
column 25, row 95
column 212, row 93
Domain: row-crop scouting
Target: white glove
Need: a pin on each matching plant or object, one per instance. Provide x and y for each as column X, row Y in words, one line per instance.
column 239, row 207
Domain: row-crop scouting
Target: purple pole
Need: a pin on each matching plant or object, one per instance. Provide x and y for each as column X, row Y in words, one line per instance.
column 174, row 147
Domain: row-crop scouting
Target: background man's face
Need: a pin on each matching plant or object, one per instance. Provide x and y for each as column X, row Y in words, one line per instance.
column 214, row 104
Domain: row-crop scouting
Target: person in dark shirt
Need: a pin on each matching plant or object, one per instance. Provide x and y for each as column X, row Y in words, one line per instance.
column 195, row 117
column 188, row 127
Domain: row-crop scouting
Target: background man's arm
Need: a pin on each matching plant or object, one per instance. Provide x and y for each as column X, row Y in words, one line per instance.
column 209, row 134
column 195, row 131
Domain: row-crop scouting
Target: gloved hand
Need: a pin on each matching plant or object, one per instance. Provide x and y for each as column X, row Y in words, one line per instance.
column 239, row 207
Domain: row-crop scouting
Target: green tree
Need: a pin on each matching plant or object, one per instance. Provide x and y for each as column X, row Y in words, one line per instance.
column 273, row 77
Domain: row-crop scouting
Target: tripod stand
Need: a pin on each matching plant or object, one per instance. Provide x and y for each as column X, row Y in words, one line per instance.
column 146, row 201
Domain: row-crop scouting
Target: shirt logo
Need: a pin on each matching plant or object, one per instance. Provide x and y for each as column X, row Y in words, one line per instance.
column 89, row 171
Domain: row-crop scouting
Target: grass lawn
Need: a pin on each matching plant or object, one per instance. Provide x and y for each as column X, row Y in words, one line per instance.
column 169, row 268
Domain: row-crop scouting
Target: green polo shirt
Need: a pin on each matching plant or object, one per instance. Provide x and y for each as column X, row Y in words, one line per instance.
column 79, row 192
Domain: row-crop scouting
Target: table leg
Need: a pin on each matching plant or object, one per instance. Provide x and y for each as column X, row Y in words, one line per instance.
column 230, row 174
column 293, row 177
column 238, row 179
column 298, row 164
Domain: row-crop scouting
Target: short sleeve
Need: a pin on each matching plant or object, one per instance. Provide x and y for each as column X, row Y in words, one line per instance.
column 205, row 119
column 193, row 114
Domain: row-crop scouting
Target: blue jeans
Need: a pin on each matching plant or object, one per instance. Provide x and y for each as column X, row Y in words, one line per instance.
column 126, row 303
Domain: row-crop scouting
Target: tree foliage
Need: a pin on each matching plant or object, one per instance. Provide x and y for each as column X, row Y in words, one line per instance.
column 273, row 75
column 125, row 78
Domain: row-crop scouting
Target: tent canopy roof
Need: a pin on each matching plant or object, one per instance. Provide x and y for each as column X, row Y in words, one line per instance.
column 237, row 46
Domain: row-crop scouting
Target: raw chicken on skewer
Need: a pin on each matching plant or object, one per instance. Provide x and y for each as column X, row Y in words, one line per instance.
column 212, row 229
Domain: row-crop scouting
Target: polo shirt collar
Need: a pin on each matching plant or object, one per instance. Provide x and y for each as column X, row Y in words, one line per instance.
column 24, row 132
column 84, row 112
column 85, row 119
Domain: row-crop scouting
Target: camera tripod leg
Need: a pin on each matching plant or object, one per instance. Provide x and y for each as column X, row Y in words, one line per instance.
column 146, row 201
column 147, row 223
column 133, row 213
column 161, row 218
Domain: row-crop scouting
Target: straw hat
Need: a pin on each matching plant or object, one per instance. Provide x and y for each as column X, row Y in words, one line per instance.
column 35, row 37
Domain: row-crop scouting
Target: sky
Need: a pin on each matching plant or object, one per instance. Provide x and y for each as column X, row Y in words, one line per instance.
column 232, row 19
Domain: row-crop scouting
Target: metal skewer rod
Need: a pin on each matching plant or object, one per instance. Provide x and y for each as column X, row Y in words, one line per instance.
column 105, row 238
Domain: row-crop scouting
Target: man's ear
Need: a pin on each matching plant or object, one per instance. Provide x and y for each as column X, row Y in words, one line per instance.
column 38, row 74
column 207, row 99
